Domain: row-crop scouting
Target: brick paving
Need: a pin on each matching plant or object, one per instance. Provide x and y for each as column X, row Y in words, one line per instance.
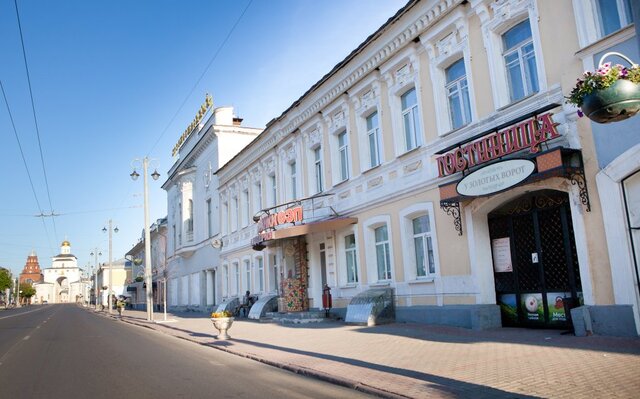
column 420, row 361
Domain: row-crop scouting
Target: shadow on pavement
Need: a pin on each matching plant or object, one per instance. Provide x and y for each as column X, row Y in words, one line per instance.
column 505, row 335
column 449, row 386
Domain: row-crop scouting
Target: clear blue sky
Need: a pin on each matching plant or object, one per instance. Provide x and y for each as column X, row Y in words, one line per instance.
column 108, row 76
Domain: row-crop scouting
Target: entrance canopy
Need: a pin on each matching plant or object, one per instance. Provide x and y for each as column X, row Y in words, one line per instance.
column 314, row 227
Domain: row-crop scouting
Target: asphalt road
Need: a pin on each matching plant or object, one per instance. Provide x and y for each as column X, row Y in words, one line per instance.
column 65, row 351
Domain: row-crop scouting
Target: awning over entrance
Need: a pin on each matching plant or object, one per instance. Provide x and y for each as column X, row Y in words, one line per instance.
column 315, row 227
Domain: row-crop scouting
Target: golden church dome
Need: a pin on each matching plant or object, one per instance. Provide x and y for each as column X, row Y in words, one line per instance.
column 66, row 243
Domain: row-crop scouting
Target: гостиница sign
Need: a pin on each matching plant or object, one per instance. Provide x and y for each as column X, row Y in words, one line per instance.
column 527, row 134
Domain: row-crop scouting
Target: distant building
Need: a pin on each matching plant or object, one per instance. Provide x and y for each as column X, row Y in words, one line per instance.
column 63, row 280
column 31, row 272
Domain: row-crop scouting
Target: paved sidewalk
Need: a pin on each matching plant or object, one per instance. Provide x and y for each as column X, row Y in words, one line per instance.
column 419, row 361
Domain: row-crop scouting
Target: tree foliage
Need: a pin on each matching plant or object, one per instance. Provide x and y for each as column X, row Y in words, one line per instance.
column 5, row 280
column 27, row 290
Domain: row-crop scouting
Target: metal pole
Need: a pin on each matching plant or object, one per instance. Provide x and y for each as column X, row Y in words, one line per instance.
column 164, row 297
column 17, row 293
column 147, row 243
column 110, row 269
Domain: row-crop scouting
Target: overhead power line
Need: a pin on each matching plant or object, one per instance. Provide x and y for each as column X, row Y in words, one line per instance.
column 35, row 119
column 206, row 69
column 24, row 160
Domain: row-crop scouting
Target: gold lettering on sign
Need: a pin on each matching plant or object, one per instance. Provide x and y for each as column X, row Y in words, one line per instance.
column 208, row 103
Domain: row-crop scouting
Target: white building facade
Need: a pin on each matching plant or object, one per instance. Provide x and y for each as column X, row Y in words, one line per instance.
column 192, row 197
column 370, row 181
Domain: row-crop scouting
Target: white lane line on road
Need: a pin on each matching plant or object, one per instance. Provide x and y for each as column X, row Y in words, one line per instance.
column 27, row 337
column 22, row 313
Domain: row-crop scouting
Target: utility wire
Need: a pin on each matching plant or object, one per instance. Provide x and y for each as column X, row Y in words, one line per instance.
column 233, row 28
column 35, row 119
column 24, row 160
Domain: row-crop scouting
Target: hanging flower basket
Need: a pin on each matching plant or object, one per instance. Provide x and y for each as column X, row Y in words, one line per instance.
column 610, row 94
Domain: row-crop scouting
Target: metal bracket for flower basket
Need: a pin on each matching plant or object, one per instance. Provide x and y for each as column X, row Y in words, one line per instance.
column 615, row 103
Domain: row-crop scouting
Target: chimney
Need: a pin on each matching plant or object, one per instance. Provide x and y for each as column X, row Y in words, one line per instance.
column 237, row 121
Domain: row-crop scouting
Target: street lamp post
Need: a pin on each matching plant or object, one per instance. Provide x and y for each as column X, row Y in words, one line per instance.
column 95, row 252
column 104, row 230
column 147, row 234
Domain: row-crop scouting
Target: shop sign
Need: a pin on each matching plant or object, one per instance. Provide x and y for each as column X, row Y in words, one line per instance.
column 495, row 177
column 268, row 223
column 527, row 134
column 291, row 215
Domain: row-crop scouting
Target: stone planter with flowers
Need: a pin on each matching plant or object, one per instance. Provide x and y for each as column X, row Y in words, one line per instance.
column 222, row 321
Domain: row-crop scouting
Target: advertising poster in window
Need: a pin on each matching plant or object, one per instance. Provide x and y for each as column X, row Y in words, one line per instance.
column 555, row 304
column 533, row 306
column 501, row 249
column 508, row 308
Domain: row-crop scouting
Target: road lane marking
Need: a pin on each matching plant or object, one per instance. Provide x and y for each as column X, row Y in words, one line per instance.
column 27, row 337
column 22, row 313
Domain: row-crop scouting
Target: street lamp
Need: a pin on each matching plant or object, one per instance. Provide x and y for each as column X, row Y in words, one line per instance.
column 104, row 230
column 147, row 234
column 96, row 252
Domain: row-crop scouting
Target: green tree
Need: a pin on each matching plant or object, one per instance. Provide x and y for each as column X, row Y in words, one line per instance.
column 5, row 279
column 27, row 290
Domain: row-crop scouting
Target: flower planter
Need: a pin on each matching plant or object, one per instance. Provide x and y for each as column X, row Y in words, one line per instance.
column 615, row 103
column 222, row 324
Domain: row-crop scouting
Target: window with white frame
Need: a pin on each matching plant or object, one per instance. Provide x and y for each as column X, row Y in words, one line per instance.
column 520, row 61
column 247, row 273
column 260, row 267
column 317, row 168
column 235, row 214
column 613, row 15
column 411, row 119
column 236, row 272
column 225, row 280
column 458, row 94
column 225, row 217
column 209, row 218
column 383, row 257
column 350, row 258
column 294, row 180
column 273, row 190
column 257, row 197
column 343, row 149
column 190, row 220
column 246, row 214
column 373, row 139
column 423, row 246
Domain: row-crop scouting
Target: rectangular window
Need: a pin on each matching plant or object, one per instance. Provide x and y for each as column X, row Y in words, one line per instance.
column 425, row 263
column 613, row 15
column 317, row 166
column 294, row 181
column 257, row 197
column 260, row 274
column 225, row 279
column 383, row 257
column 236, row 271
column 209, row 218
column 411, row 119
column 352, row 263
column 343, row 148
column 235, row 217
column 458, row 95
column 274, row 190
column 247, row 273
column 247, row 208
column 225, row 217
column 520, row 61
column 373, row 135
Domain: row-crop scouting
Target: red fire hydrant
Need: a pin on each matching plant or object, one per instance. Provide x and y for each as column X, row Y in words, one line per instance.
column 326, row 299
